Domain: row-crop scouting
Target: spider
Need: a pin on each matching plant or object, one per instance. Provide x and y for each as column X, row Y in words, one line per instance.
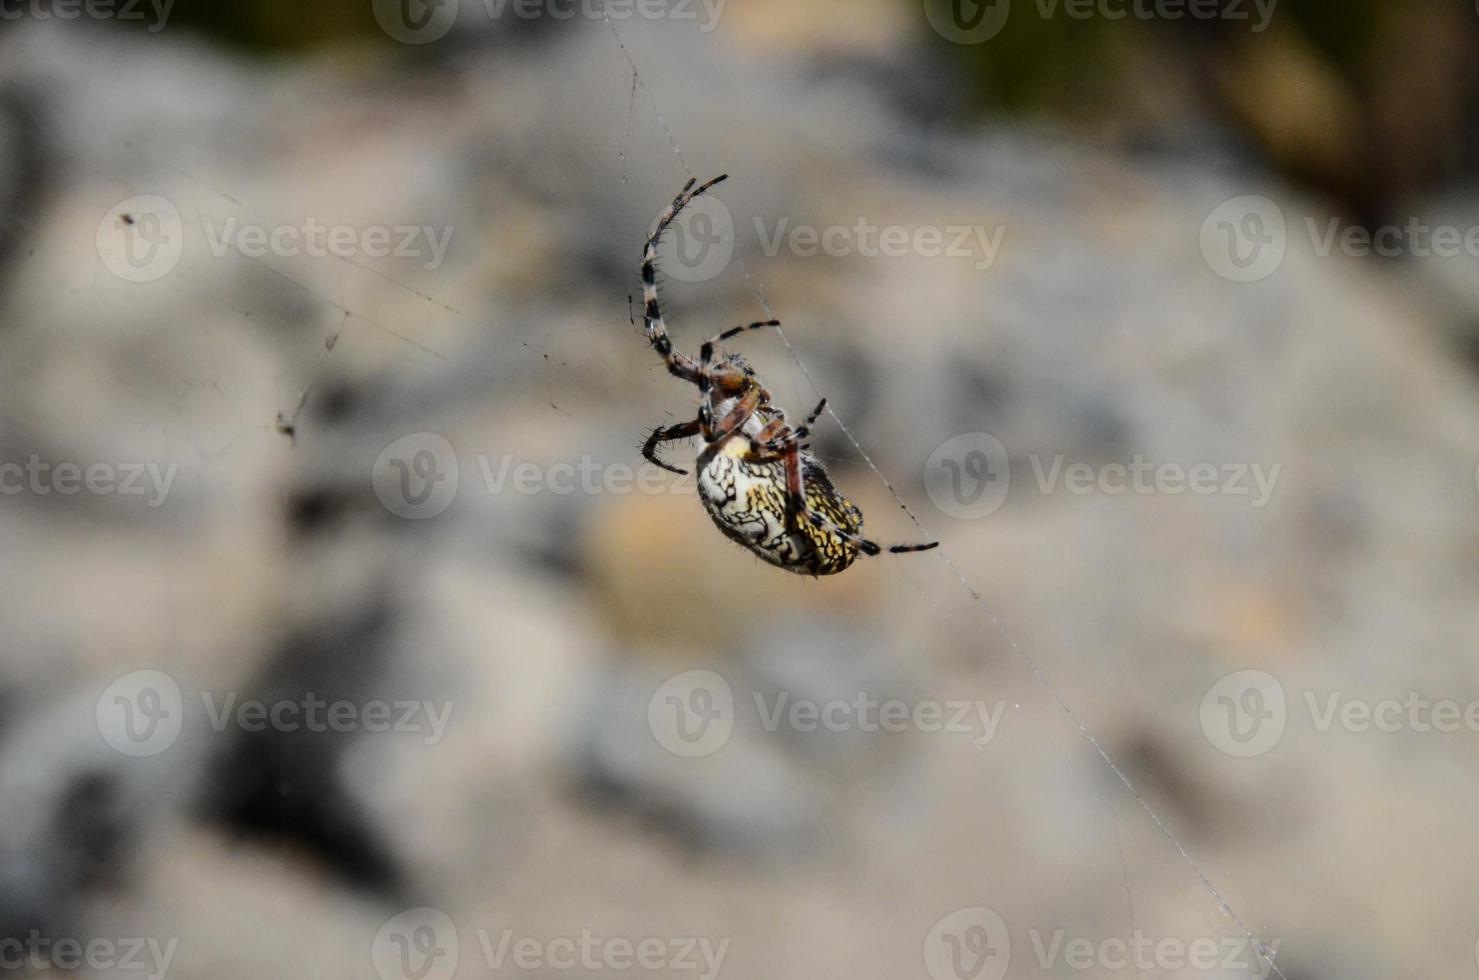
column 756, row 477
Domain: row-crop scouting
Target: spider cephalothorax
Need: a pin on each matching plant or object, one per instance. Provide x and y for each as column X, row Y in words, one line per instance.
column 757, row 480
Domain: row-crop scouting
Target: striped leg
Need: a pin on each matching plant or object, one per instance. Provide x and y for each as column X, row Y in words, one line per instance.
column 776, row 442
column 669, row 434
column 864, row 545
column 736, row 331
column 657, row 332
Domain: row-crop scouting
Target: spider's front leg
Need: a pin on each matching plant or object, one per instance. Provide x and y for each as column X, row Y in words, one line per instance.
column 712, row 432
column 679, row 364
column 672, row 433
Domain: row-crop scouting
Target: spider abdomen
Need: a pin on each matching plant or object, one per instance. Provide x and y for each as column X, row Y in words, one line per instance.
column 747, row 501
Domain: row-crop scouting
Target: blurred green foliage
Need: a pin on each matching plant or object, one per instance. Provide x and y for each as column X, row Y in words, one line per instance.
column 272, row 27
column 1045, row 60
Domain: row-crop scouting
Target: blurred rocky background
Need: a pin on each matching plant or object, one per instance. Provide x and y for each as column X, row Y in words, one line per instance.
column 347, row 635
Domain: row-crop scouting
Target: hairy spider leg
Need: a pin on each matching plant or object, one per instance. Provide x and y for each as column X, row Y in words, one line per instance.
column 684, row 430
column 679, row 364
